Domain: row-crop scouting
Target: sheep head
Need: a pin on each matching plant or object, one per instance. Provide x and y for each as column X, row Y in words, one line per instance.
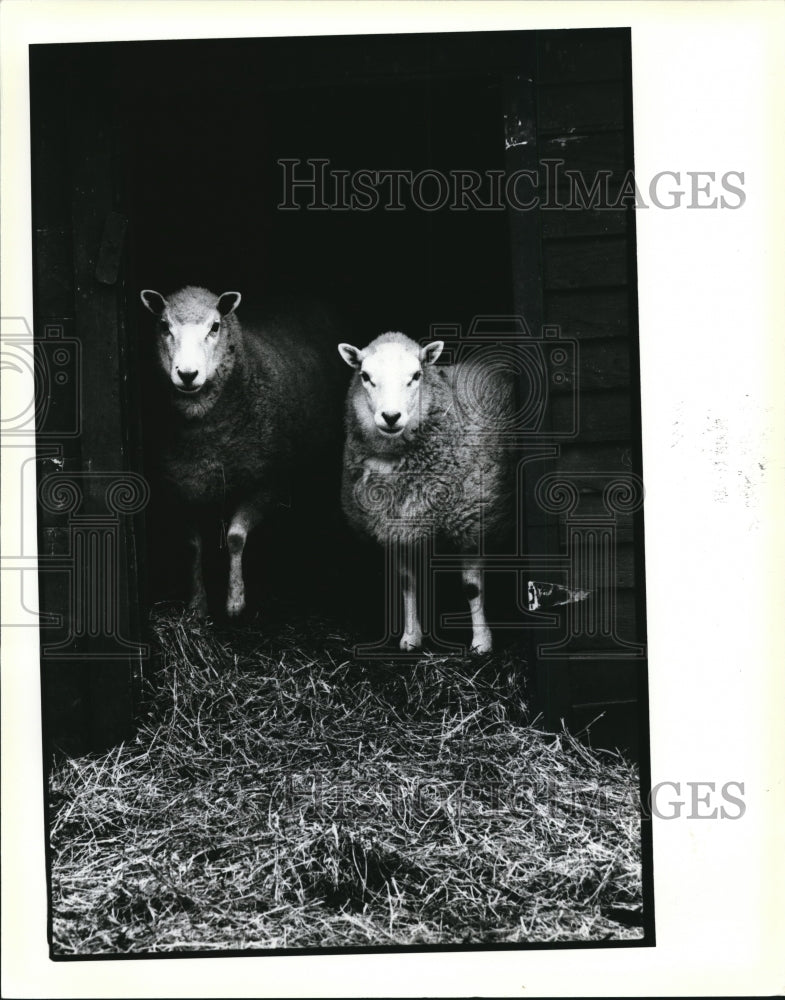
column 393, row 394
column 192, row 338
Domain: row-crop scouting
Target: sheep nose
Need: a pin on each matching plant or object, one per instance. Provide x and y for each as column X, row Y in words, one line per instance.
column 187, row 377
column 391, row 418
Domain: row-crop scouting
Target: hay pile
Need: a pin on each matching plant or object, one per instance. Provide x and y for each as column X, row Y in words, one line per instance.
column 280, row 794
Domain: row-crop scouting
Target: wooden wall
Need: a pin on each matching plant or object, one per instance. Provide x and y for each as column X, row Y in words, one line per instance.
column 91, row 496
column 584, row 118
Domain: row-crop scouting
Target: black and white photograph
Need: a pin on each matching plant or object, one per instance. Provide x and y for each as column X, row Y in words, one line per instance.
column 335, row 487
column 353, row 506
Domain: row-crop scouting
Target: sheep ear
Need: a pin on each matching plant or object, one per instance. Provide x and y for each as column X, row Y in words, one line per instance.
column 353, row 356
column 228, row 302
column 431, row 352
column 154, row 301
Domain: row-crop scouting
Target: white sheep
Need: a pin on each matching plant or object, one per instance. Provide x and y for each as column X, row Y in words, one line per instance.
column 425, row 456
column 247, row 409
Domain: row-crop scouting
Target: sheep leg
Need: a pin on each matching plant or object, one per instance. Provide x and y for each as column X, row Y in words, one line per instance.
column 473, row 588
column 243, row 521
column 412, row 632
column 198, row 600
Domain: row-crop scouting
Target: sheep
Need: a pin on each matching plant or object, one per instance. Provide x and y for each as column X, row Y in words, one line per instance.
column 425, row 456
column 246, row 412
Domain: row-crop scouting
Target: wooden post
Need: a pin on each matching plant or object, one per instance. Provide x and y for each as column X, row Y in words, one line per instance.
column 89, row 502
column 539, row 529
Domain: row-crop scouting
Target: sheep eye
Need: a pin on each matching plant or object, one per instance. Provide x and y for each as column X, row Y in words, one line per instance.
column 365, row 377
column 214, row 328
column 416, row 376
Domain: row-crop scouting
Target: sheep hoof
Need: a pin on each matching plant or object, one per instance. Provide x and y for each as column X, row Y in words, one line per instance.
column 198, row 605
column 410, row 641
column 235, row 607
column 481, row 642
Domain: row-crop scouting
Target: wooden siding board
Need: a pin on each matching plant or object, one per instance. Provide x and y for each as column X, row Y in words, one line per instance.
column 603, row 460
column 598, row 365
column 592, row 468
column 610, row 725
column 602, row 364
column 586, row 152
column 568, row 109
column 598, row 647
column 585, row 263
column 586, row 313
column 603, row 681
column 582, row 222
column 603, row 416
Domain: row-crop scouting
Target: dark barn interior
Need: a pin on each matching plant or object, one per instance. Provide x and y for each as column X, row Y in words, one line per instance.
column 156, row 165
column 206, row 183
